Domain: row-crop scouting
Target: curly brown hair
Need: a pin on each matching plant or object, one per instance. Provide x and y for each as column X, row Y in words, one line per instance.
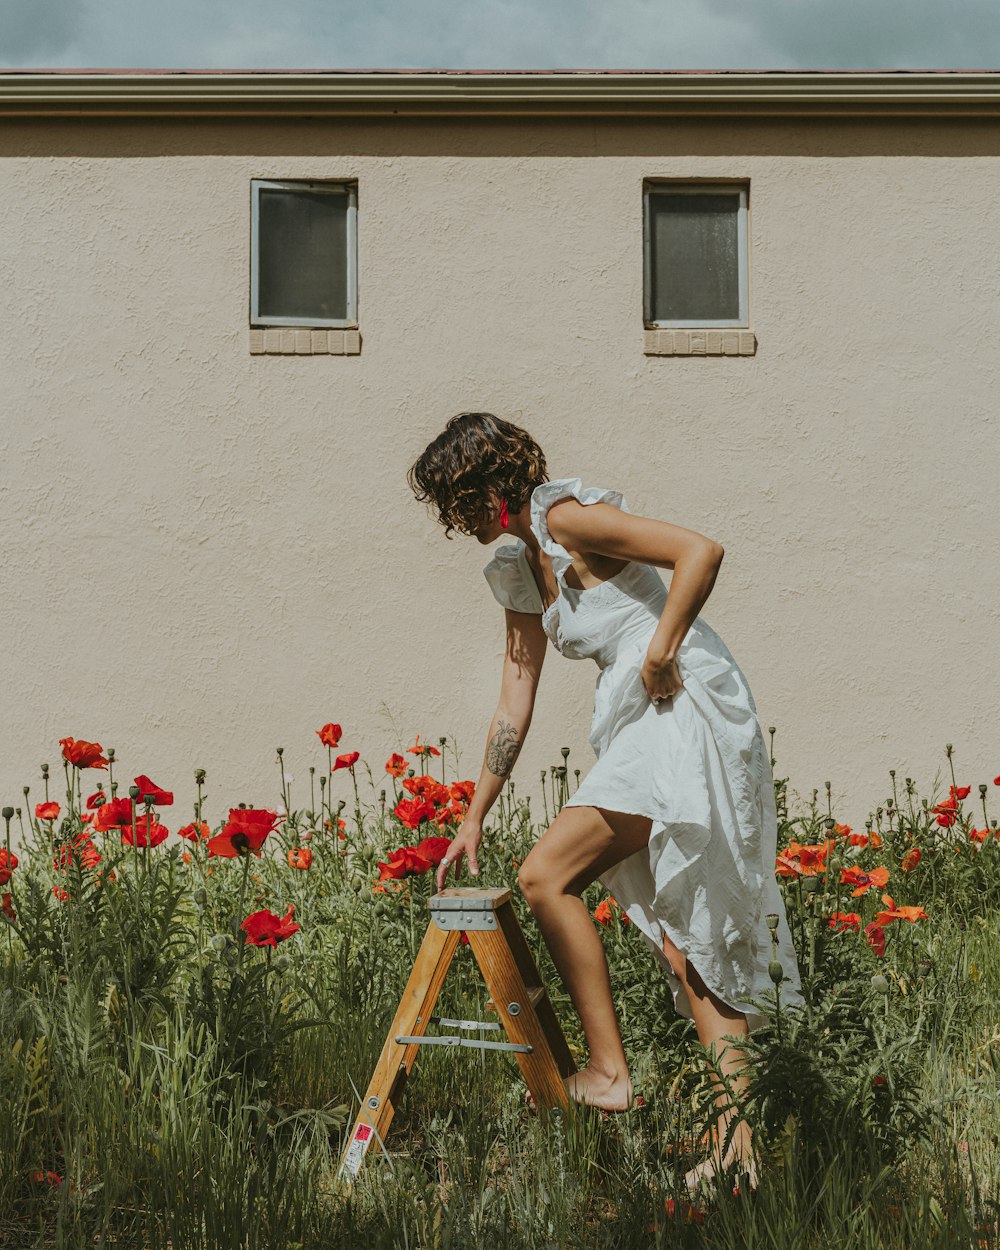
column 477, row 453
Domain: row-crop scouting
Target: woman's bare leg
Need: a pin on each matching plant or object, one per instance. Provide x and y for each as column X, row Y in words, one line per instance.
column 718, row 1025
column 580, row 844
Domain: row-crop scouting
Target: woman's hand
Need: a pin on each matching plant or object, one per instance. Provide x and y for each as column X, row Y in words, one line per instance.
column 661, row 676
column 465, row 842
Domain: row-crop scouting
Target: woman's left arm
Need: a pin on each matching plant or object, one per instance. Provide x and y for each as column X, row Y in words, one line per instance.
column 694, row 558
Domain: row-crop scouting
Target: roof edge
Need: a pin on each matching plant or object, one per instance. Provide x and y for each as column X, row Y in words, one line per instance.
column 497, row 92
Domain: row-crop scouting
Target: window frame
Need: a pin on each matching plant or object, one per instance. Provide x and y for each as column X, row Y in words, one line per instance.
column 340, row 186
column 679, row 187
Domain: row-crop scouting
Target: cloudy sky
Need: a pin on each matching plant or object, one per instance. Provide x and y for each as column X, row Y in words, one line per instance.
column 500, row 34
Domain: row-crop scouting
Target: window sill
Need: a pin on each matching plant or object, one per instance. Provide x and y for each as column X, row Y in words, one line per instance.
column 721, row 342
column 295, row 341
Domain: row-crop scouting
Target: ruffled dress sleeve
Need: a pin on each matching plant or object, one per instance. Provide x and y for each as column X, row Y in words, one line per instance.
column 546, row 494
column 511, row 581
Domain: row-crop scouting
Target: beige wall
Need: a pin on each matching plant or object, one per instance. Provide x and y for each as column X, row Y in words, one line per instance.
column 207, row 554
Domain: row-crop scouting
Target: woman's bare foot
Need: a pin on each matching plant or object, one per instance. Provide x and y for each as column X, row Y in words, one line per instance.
column 739, row 1154
column 597, row 1089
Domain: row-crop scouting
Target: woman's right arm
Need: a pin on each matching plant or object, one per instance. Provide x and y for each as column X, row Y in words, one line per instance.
column 522, row 667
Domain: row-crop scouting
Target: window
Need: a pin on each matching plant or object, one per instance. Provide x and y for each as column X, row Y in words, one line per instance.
column 695, row 254
column 303, row 254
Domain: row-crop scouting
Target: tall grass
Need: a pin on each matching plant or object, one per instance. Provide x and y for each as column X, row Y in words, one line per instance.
column 165, row 1085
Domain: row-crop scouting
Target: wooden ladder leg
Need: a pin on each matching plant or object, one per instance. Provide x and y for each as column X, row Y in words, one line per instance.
column 521, row 951
column 389, row 1079
column 525, row 1011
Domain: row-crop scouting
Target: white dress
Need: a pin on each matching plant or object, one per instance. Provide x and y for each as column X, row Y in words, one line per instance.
column 696, row 765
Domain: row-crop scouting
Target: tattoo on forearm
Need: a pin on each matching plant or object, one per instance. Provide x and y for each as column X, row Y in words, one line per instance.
column 502, row 750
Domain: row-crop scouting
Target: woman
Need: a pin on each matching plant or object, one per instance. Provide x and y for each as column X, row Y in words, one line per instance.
column 677, row 818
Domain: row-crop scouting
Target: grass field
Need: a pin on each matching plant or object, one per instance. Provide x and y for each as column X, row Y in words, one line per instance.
column 176, row 1075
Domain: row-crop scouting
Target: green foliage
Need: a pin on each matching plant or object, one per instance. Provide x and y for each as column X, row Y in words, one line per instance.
column 165, row 1084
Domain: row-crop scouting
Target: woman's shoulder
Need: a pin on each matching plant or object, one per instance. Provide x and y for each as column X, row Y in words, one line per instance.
column 547, row 493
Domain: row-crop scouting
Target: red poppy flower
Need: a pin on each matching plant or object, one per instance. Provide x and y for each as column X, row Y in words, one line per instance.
column 47, row 811
column 798, row 860
column 863, row 881
column 395, row 765
column 959, row 792
column 266, row 928
column 406, row 862
column 412, row 811
column 83, row 754
column 464, row 791
column 300, row 856
column 330, row 735
column 419, row 748
column 113, row 814
column 913, row 914
column 162, row 798
column 875, row 936
column 243, row 833
column 433, row 849
column 7, row 908
column 95, row 799
column 148, row 831
column 910, row 859
column 429, row 788
column 844, row 920
column 8, row 862
column 195, row 832
column 345, row 761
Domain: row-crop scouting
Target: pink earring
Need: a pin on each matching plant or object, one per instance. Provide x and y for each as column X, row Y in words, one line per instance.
column 503, row 513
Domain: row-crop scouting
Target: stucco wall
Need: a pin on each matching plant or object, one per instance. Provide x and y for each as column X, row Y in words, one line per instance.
column 207, row 554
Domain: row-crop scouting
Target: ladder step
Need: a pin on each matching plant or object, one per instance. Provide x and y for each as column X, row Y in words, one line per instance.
column 454, row 1039
column 535, row 994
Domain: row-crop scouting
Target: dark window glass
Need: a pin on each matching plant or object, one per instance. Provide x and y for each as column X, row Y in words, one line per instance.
column 302, row 260
column 694, row 258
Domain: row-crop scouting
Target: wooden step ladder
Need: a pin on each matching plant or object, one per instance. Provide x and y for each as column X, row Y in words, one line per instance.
column 517, row 995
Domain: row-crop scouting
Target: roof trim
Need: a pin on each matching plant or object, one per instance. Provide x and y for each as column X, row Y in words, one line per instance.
column 435, row 93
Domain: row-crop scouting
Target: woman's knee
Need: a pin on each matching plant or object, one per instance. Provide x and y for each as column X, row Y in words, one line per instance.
column 533, row 879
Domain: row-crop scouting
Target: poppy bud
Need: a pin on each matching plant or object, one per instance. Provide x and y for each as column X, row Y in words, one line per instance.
column 923, row 968
column 775, row 971
column 8, row 812
column 149, row 799
column 218, row 942
column 201, row 896
column 281, row 963
column 810, row 885
column 111, row 754
column 133, row 792
column 879, row 984
column 772, row 920
column 199, row 776
column 982, row 790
